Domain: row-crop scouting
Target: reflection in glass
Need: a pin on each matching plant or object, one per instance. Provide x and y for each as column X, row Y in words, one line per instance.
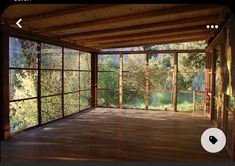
column 71, row 103
column 22, row 84
column 51, row 108
column 23, row 114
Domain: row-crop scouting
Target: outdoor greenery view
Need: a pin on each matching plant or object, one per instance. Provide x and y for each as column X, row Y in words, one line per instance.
column 191, row 76
column 41, row 76
column 47, row 82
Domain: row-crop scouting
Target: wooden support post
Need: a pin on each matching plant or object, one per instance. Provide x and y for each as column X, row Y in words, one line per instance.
column 194, row 102
column 121, row 81
column 220, row 88
column 225, row 114
column 94, row 73
column 212, row 86
column 5, row 125
column 175, row 82
column 62, row 83
column 147, row 82
column 39, row 86
column 207, row 95
column 79, row 86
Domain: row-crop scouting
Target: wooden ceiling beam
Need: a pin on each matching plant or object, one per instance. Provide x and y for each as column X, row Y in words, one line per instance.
column 153, row 51
column 16, row 32
column 145, row 43
column 148, row 39
column 206, row 33
column 76, row 10
column 209, row 19
column 148, row 34
column 129, row 17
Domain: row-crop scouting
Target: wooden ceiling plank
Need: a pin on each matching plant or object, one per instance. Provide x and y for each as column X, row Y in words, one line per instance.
column 143, row 43
column 149, row 43
column 148, row 14
column 77, row 10
column 145, row 37
column 141, row 27
column 148, row 34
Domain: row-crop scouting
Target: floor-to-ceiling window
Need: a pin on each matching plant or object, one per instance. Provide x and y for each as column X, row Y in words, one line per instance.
column 46, row 82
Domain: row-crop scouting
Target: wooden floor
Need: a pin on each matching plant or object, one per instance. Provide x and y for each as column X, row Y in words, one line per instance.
column 115, row 135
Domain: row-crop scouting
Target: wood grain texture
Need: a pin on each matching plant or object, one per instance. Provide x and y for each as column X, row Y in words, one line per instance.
column 103, row 134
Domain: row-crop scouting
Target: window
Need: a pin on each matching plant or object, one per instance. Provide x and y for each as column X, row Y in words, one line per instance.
column 108, row 80
column 61, row 83
column 160, row 78
column 191, row 77
column 85, row 80
column 23, row 78
column 134, row 80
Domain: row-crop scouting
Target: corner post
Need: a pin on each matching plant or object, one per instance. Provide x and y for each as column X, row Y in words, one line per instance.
column 121, row 81
column 94, row 76
column 5, row 123
column 175, row 81
column 147, row 82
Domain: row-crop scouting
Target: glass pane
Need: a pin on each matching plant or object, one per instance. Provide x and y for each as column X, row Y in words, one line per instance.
column 108, row 98
column 135, row 78
column 71, row 81
column 191, row 81
column 108, row 80
column 185, row 101
column 134, row 99
column 199, row 102
column 161, row 62
column 160, row 71
column 23, row 84
column 85, row 80
column 108, row 62
column 51, row 56
column 71, row 59
column 134, row 81
column 71, row 103
column 85, row 61
column 134, row 62
column 191, row 62
column 50, row 82
column 23, row 114
column 161, row 100
column 22, row 53
column 51, row 108
column 160, row 81
column 85, row 99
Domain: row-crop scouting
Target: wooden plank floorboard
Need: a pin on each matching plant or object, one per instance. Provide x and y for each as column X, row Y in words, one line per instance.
column 105, row 134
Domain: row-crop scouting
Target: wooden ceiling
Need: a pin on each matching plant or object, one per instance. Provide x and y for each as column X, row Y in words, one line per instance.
column 118, row 25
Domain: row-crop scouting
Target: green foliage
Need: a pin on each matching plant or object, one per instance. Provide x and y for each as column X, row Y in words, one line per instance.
column 71, row 103
column 51, row 108
column 160, row 100
column 23, row 83
column 108, row 98
column 23, row 114
column 85, row 99
column 190, row 77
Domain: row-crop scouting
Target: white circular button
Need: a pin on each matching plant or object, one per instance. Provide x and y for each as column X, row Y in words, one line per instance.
column 213, row 140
